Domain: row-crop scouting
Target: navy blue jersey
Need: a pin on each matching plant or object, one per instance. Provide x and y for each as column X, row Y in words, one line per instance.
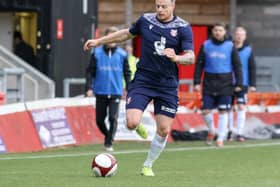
column 155, row 68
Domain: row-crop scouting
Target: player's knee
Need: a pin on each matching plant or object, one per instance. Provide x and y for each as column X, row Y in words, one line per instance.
column 241, row 107
column 99, row 121
column 131, row 123
column 205, row 112
column 163, row 132
column 222, row 111
column 112, row 119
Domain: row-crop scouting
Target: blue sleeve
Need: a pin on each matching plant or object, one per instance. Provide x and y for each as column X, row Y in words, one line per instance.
column 135, row 28
column 186, row 38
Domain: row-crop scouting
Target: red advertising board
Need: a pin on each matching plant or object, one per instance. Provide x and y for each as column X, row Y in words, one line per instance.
column 18, row 133
column 82, row 122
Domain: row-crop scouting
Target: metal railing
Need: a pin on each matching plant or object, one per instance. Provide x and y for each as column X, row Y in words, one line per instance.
column 67, row 82
column 17, row 90
column 27, row 78
column 35, row 83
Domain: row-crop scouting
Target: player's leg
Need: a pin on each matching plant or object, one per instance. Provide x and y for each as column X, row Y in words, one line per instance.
column 208, row 105
column 241, row 114
column 231, row 120
column 224, row 105
column 113, row 120
column 230, row 124
column 158, row 143
column 136, row 102
column 241, row 118
column 101, row 112
column 133, row 121
column 165, row 110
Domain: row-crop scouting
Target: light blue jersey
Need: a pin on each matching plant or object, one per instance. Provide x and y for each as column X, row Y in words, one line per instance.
column 244, row 54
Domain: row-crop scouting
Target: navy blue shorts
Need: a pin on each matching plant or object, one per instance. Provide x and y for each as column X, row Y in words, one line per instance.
column 221, row 102
column 241, row 97
column 165, row 102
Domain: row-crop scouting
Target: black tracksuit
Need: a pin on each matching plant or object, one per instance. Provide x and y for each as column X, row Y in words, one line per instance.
column 106, row 103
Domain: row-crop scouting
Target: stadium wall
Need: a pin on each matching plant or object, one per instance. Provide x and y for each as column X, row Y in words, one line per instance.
column 39, row 125
column 197, row 12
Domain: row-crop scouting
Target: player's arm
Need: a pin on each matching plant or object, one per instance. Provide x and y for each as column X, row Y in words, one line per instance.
column 90, row 75
column 186, row 43
column 237, row 68
column 116, row 37
column 186, row 58
column 199, row 66
column 252, row 72
column 126, row 72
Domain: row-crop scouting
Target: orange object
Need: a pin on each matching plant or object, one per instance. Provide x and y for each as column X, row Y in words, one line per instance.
column 263, row 98
column 254, row 98
column 270, row 98
column 190, row 100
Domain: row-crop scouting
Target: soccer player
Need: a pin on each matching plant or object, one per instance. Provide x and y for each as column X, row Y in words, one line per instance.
column 249, row 81
column 219, row 59
column 166, row 41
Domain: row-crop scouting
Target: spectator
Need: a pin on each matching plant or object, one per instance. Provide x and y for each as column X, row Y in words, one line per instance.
column 108, row 65
column 24, row 50
column 132, row 60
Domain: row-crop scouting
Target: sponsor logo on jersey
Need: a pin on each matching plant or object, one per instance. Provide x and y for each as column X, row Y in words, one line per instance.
column 218, row 55
column 160, row 46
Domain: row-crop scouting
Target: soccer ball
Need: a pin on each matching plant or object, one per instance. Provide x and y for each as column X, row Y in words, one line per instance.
column 104, row 165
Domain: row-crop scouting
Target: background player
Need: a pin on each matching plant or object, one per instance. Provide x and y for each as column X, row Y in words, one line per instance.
column 249, row 81
column 219, row 59
column 104, row 74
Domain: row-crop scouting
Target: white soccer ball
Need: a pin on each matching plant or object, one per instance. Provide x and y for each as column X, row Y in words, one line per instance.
column 104, row 165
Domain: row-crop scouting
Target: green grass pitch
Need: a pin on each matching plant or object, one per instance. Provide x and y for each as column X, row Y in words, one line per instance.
column 186, row 164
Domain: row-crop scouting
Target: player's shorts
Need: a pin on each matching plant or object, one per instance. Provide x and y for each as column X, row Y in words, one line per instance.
column 222, row 102
column 165, row 102
column 240, row 97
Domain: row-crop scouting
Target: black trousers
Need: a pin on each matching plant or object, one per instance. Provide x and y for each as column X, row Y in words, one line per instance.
column 107, row 105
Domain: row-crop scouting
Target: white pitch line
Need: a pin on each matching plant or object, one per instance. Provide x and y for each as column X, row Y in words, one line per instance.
column 141, row 151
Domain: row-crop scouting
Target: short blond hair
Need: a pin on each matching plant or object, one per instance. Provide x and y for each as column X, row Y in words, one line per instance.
column 241, row 28
column 110, row 30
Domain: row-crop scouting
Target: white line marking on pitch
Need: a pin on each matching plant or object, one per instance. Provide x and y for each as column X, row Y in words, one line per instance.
column 140, row 151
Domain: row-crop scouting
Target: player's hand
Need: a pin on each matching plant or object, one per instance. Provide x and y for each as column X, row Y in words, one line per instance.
column 89, row 93
column 91, row 43
column 124, row 94
column 197, row 88
column 252, row 89
column 170, row 53
column 237, row 89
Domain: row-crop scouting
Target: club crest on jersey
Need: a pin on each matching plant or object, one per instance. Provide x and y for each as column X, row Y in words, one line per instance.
column 151, row 26
column 173, row 32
